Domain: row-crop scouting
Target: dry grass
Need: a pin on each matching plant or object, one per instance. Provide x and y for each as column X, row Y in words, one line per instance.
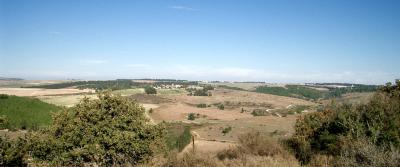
column 254, row 150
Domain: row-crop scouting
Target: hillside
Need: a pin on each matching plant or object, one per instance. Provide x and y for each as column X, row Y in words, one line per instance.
column 24, row 112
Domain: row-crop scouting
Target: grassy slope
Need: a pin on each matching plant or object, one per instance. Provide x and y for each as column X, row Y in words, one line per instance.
column 24, row 112
column 178, row 136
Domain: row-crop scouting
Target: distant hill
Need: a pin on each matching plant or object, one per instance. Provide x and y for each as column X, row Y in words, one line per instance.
column 10, row 79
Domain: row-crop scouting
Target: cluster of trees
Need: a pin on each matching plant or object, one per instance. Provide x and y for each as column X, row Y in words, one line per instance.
column 355, row 135
column 97, row 85
column 201, row 92
column 304, row 92
column 338, row 92
column 292, row 91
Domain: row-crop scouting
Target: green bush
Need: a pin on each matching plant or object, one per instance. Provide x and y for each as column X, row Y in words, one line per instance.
column 150, row 90
column 191, row 116
column 110, row 130
column 226, row 130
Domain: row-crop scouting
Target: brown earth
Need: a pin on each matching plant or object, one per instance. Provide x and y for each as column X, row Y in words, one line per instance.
column 42, row 92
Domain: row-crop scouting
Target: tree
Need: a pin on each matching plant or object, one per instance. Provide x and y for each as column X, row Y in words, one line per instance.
column 110, row 130
column 150, row 90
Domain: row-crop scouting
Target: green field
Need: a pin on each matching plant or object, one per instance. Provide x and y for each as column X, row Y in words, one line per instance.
column 25, row 113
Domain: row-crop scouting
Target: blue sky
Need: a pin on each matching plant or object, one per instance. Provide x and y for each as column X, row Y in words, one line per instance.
column 249, row 40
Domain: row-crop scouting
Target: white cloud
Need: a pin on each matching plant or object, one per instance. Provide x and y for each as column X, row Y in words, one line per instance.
column 185, row 8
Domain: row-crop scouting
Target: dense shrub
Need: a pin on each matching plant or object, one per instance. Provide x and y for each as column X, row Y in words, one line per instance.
column 330, row 131
column 366, row 154
column 110, row 130
column 292, row 91
column 12, row 152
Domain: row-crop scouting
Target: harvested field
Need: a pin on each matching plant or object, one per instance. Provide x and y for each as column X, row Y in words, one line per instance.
column 240, row 97
column 42, row 92
column 65, row 100
column 275, row 126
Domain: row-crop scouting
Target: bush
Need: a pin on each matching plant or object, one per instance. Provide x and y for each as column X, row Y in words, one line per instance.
column 226, row 130
column 202, row 105
column 365, row 153
column 221, row 107
column 110, row 130
column 191, row 116
column 150, row 90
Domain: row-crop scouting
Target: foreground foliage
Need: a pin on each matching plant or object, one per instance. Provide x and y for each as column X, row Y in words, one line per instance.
column 335, row 131
column 111, row 130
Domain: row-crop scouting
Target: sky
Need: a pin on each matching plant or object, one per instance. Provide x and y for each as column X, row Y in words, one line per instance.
column 276, row 41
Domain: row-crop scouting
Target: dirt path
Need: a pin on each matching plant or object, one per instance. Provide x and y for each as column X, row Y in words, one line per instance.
column 203, row 145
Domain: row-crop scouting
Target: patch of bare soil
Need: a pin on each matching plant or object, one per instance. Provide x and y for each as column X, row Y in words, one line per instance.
column 274, row 126
column 42, row 92
column 204, row 146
